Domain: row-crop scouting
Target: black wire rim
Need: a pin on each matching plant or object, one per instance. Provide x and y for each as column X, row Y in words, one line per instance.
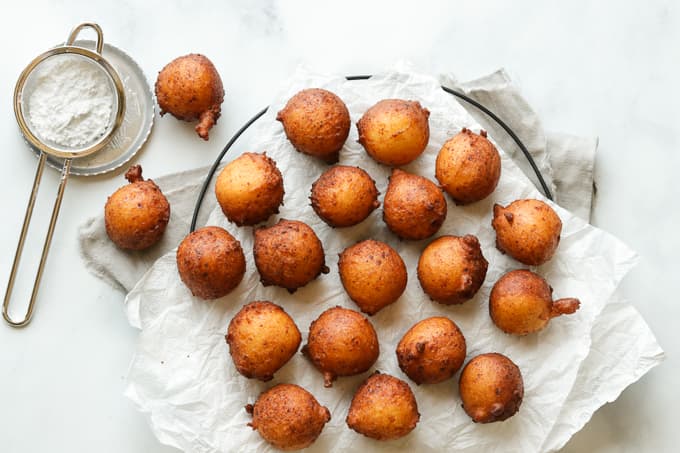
column 458, row 94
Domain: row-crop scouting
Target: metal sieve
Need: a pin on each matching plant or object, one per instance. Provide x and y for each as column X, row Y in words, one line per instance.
column 50, row 148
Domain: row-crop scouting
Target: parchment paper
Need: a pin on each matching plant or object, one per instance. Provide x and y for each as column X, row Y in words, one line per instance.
column 182, row 374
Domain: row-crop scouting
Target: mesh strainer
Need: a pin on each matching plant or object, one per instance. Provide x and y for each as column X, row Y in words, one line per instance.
column 49, row 147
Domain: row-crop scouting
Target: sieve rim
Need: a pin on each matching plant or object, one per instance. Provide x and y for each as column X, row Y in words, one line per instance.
column 119, row 92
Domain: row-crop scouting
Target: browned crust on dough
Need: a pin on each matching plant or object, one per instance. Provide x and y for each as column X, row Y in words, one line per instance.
column 327, row 191
column 470, row 264
column 268, row 199
column 317, row 123
column 491, row 388
column 190, row 88
column 288, row 417
column 414, row 207
column 373, row 274
column 288, row 254
column 341, row 342
column 383, row 408
column 210, row 262
column 432, row 350
column 266, row 322
column 530, row 234
column 137, row 214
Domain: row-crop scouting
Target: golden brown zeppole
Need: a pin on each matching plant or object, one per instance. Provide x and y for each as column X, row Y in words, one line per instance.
column 373, row 274
column 190, row 89
column 317, row 123
column 288, row 417
column 491, row 388
column 249, row 189
column 395, row 132
column 521, row 303
column 137, row 214
column 432, row 351
column 288, row 254
column 262, row 338
column 210, row 262
column 344, row 196
column 341, row 342
column 527, row 230
column 383, row 408
column 468, row 167
column 414, row 207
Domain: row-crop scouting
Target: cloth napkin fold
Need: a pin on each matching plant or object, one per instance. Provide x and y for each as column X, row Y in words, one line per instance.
column 566, row 163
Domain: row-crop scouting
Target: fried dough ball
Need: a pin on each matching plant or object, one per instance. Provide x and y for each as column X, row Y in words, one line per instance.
column 341, row 342
column 317, row 123
column 190, row 88
column 414, row 207
column 383, row 408
column 394, row 132
column 491, row 388
column 521, row 303
column 468, row 167
column 137, row 214
column 288, row 254
column 527, row 230
column 451, row 269
column 344, row 196
column 432, row 351
column 210, row 262
column 288, row 417
column 262, row 337
column 373, row 274
column 250, row 189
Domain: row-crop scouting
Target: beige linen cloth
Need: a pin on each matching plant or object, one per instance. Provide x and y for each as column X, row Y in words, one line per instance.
column 566, row 163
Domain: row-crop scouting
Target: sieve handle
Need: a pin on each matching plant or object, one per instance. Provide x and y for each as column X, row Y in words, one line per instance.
column 100, row 35
column 65, row 170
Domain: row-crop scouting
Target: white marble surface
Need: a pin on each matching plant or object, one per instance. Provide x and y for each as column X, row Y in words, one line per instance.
column 605, row 68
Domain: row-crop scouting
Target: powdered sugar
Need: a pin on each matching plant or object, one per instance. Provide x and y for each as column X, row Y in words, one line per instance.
column 71, row 102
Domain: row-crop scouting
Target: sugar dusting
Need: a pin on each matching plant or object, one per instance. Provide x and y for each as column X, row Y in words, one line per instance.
column 71, row 102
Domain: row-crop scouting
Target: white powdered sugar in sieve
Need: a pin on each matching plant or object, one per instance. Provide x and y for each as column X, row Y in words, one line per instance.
column 71, row 101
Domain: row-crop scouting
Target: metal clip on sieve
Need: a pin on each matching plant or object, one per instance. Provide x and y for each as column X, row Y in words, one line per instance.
column 51, row 149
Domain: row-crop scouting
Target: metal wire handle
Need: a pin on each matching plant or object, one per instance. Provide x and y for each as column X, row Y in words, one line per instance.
column 100, row 35
column 258, row 115
column 65, row 170
column 46, row 246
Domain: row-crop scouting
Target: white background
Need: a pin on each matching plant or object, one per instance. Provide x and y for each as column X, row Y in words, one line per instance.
column 607, row 69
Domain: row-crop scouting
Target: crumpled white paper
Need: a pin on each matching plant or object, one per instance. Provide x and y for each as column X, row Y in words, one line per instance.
column 623, row 349
column 182, row 374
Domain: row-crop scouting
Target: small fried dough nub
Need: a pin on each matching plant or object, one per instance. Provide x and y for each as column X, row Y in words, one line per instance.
column 414, row 207
column 468, row 167
column 288, row 417
column 317, row 123
column 190, row 88
column 136, row 214
column 210, row 262
column 527, row 230
column 249, row 189
column 451, row 269
column 521, row 303
column 394, row 131
column 373, row 274
column 432, row 351
column 341, row 342
column 262, row 337
column 491, row 388
column 288, row 254
column 344, row 196
column 383, row 408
